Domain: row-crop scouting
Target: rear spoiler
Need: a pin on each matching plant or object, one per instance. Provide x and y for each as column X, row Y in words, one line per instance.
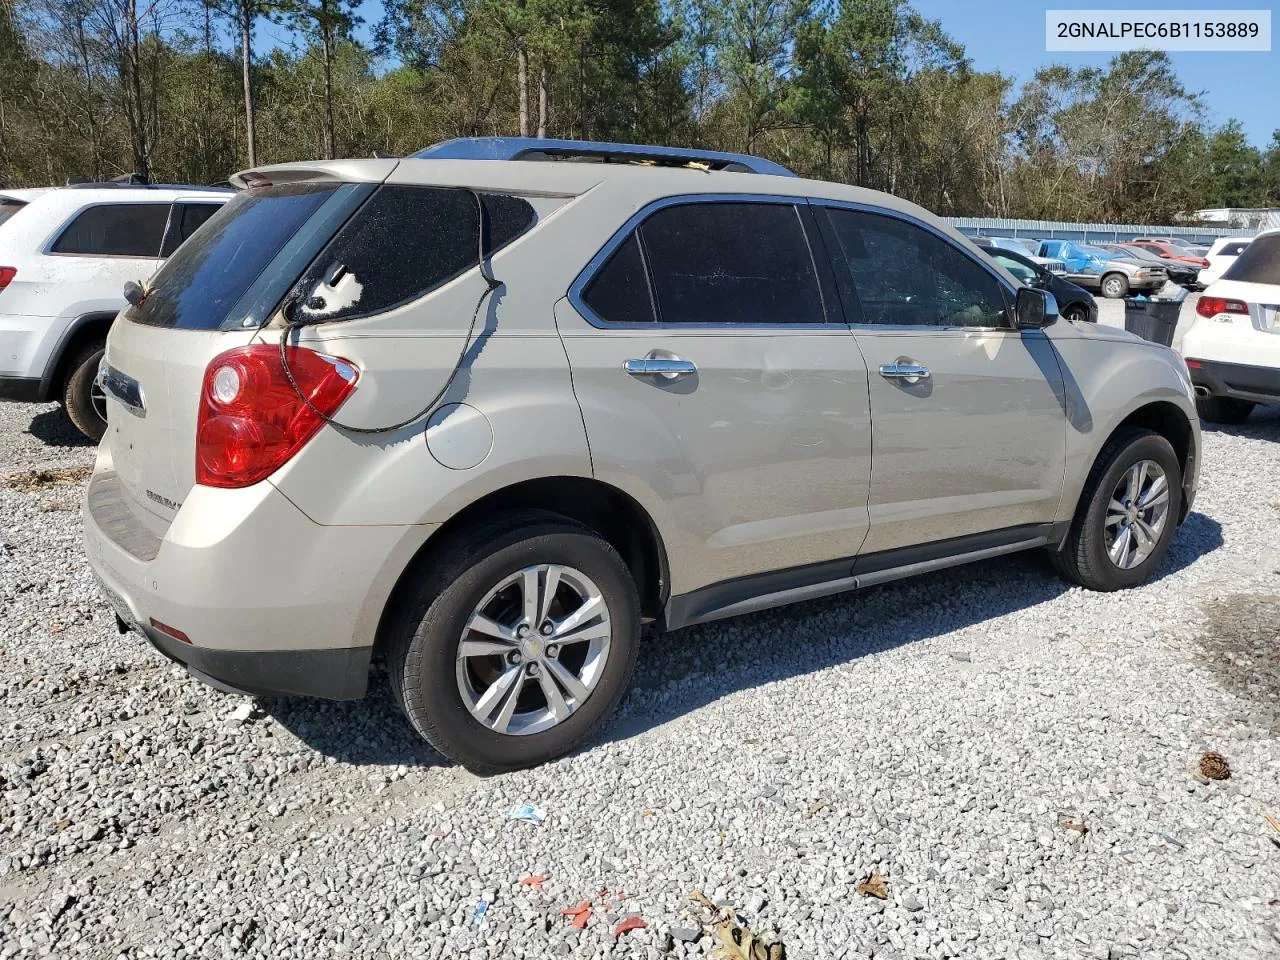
column 320, row 171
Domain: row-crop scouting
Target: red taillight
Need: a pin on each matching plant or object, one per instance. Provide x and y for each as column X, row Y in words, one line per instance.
column 1203, row 263
column 1193, row 364
column 6, row 276
column 1212, row 306
column 252, row 420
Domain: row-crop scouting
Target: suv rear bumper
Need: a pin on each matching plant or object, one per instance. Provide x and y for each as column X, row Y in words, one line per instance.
column 271, row 602
column 340, row 674
column 1236, row 380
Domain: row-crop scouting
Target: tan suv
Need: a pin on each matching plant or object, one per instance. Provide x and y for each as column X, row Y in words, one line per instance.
column 487, row 417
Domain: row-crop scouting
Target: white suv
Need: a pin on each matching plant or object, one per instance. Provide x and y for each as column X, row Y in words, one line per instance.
column 1233, row 347
column 65, row 255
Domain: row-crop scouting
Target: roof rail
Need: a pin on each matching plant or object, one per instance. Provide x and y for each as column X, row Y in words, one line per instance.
column 535, row 148
column 118, row 185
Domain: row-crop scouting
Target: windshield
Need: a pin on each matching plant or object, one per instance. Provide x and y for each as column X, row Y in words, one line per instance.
column 211, row 271
column 1259, row 263
column 1092, row 251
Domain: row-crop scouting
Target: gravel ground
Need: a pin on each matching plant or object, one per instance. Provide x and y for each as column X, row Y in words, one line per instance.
column 1016, row 759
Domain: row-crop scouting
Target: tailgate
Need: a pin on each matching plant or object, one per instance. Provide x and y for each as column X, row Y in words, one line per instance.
column 152, row 377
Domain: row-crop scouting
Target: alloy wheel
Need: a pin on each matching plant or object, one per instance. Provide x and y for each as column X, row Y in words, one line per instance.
column 1136, row 514
column 533, row 649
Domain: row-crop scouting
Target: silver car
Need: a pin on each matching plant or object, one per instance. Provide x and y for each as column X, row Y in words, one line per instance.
column 487, row 411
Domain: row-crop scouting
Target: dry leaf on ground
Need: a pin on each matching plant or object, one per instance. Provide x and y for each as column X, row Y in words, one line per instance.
column 874, row 886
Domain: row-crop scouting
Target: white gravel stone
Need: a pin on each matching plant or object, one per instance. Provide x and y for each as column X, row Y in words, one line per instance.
column 771, row 761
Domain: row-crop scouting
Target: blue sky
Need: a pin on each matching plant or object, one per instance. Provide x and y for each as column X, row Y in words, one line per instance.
column 1008, row 35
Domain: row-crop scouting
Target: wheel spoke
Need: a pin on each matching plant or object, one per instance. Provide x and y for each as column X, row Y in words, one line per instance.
column 551, row 690
column 590, row 608
column 1132, row 483
column 1115, row 512
column 1142, row 534
column 549, row 588
column 483, row 624
column 497, row 690
column 1158, row 492
column 572, row 684
column 484, row 648
column 529, row 589
column 1121, row 547
column 503, row 719
column 593, row 631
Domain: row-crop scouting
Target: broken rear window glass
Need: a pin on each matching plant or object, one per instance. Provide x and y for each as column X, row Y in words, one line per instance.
column 403, row 243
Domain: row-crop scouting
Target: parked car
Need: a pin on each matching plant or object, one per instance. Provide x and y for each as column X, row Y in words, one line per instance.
column 1095, row 268
column 1186, row 246
column 1182, row 274
column 1074, row 302
column 1020, row 247
column 1221, row 255
column 484, row 419
column 65, row 254
column 1172, row 252
column 1233, row 346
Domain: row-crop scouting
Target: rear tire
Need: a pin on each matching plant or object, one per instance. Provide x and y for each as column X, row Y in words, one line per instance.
column 81, row 399
column 1084, row 558
column 433, row 677
column 1115, row 286
column 1227, row 410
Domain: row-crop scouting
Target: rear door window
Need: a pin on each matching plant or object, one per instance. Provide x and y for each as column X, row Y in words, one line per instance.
column 1259, row 263
column 1232, row 249
column 403, row 243
column 731, row 263
column 115, row 230
column 203, row 280
column 187, row 219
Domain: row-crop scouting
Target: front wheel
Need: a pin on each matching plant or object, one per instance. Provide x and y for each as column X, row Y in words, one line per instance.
column 82, row 398
column 519, row 644
column 1227, row 410
column 1127, row 514
column 1115, row 285
column 1076, row 313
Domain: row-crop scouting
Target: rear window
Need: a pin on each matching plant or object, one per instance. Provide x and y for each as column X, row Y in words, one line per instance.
column 115, row 230
column 403, row 243
column 8, row 207
column 1259, row 263
column 197, row 286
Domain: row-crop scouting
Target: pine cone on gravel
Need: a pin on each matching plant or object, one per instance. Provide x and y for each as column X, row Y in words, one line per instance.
column 1214, row 766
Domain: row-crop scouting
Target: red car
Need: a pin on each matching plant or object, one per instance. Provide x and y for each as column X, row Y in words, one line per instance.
column 1170, row 251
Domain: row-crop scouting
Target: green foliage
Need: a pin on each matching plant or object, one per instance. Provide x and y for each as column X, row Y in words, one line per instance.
column 863, row 91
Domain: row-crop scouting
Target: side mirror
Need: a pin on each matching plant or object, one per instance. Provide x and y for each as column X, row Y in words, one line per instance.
column 134, row 293
column 1034, row 309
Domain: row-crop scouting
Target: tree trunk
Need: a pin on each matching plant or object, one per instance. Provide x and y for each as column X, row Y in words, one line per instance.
column 522, row 78
column 327, row 37
column 131, row 57
column 544, row 94
column 246, row 66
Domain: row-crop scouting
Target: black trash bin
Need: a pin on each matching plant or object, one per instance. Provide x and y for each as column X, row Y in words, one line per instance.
column 1153, row 320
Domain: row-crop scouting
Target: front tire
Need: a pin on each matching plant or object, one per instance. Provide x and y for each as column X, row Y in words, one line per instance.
column 82, row 398
column 1227, row 410
column 1115, row 286
column 1127, row 514
column 518, row 644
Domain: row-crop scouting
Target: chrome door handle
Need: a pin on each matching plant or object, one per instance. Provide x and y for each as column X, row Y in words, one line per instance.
column 910, row 372
column 665, row 367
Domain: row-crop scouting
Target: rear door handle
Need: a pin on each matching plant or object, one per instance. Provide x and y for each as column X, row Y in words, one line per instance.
column 910, row 372
column 669, row 368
